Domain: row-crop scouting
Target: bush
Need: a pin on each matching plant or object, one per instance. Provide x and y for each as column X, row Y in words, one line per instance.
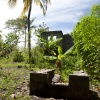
column 37, row 55
column 18, row 57
column 86, row 36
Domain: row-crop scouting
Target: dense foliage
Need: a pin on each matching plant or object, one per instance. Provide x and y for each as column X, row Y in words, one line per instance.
column 86, row 36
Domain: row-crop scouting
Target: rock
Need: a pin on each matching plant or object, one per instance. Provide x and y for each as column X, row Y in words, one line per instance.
column 13, row 96
column 56, row 78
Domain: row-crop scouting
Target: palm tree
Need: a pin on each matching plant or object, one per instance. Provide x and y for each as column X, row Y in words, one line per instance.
column 28, row 7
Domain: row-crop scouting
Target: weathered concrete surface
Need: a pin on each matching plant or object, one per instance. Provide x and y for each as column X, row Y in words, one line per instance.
column 77, row 89
column 40, row 78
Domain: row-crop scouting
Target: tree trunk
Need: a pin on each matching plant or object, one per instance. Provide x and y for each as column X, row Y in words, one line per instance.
column 25, row 39
column 29, row 32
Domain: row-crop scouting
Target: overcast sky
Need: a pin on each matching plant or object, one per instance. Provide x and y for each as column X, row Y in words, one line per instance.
column 61, row 14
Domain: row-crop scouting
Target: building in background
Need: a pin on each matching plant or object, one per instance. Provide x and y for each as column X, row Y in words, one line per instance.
column 66, row 42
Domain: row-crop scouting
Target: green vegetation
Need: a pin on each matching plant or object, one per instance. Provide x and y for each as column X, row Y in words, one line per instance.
column 15, row 64
column 86, row 36
column 14, row 76
column 12, row 81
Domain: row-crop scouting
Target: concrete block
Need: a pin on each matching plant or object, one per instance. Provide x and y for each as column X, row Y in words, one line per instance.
column 79, row 80
column 38, row 77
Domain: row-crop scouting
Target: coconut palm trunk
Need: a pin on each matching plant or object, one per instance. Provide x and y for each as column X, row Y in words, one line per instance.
column 29, row 32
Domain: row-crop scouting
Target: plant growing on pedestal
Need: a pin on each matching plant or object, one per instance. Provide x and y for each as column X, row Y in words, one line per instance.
column 59, row 57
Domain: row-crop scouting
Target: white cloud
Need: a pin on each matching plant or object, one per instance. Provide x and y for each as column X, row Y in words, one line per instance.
column 59, row 12
column 64, row 11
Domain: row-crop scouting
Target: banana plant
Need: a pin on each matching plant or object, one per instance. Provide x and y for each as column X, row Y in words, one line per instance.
column 59, row 57
column 60, row 54
column 50, row 46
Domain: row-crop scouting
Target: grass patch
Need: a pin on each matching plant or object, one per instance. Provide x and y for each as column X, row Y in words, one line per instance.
column 13, row 81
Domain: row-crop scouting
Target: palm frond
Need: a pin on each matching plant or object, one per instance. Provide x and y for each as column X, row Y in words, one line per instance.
column 68, row 51
column 12, row 3
column 42, row 4
column 32, row 20
column 42, row 40
column 26, row 6
column 55, row 41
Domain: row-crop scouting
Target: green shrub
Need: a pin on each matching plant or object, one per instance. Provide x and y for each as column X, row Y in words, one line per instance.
column 18, row 57
column 37, row 55
column 65, row 73
column 86, row 36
